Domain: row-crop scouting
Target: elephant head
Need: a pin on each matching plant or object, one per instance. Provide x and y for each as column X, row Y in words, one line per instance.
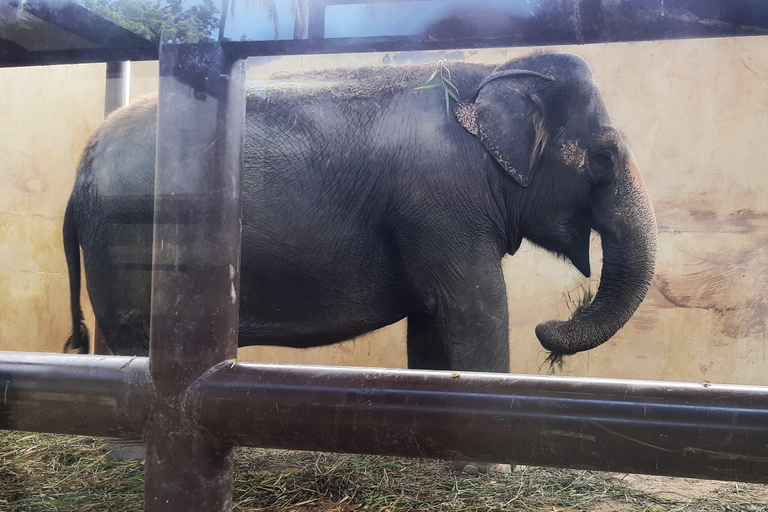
column 543, row 120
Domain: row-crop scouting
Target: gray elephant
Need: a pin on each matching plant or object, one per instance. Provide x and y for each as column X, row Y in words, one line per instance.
column 366, row 201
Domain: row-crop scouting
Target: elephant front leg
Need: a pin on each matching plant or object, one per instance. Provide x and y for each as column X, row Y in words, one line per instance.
column 465, row 327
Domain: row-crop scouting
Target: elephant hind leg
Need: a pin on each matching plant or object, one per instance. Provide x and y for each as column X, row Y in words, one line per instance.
column 426, row 348
column 127, row 333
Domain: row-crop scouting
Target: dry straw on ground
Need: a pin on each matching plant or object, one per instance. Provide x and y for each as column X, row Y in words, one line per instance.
column 44, row 472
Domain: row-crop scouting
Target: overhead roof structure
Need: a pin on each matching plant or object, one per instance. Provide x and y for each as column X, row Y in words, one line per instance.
column 38, row 32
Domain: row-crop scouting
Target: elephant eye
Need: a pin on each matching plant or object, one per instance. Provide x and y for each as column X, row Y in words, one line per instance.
column 602, row 164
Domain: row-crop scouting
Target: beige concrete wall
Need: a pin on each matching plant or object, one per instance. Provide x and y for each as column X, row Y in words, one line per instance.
column 46, row 117
column 696, row 115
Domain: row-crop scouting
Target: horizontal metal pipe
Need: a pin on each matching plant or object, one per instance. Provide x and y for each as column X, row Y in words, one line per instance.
column 676, row 429
column 694, row 430
column 105, row 396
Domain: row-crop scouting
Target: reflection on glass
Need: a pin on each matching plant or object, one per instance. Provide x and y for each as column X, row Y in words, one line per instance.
column 419, row 17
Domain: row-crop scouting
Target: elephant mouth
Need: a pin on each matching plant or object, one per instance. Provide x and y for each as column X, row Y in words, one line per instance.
column 578, row 254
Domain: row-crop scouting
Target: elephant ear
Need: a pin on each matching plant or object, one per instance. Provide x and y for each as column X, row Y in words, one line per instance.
column 508, row 119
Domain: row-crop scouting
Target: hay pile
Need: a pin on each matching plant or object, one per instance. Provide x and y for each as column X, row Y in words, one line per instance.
column 45, row 472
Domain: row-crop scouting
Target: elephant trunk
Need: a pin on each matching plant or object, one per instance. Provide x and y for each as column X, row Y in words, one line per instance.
column 627, row 225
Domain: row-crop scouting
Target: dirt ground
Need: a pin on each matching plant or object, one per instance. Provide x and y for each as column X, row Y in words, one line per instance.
column 686, row 490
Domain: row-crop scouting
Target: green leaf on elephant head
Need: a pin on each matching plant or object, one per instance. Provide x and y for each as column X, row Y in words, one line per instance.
column 448, row 81
column 448, row 86
column 433, row 86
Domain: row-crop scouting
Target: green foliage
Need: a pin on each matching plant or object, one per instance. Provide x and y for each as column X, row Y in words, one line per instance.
column 449, row 90
column 47, row 472
column 579, row 304
column 576, row 304
column 555, row 360
column 168, row 20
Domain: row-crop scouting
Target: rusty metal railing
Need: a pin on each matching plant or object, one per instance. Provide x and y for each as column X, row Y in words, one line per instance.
column 676, row 429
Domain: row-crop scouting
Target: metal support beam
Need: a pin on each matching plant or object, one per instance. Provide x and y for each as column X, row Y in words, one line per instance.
column 316, row 23
column 115, row 97
column 196, row 268
column 72, row 394
column 676, row 429
column 118, row 80
column 663, row 428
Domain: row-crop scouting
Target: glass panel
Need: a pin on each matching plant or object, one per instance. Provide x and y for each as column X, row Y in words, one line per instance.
column 693, row 112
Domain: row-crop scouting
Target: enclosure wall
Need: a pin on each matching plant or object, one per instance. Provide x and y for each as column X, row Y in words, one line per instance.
column 47, row 115
column 694, row 112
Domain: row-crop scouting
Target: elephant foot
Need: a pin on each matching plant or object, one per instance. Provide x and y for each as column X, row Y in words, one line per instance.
column 476, row 468
column 126, row 449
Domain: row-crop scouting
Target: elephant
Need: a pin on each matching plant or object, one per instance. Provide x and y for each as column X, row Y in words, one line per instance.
column 368, row 198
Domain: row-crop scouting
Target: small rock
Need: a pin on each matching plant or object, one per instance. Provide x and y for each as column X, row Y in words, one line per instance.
column 471, row 469
column 126, row 449
column 500, row 468
column 476, row 468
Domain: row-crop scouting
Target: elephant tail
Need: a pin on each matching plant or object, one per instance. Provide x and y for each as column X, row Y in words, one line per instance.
column 78, row 342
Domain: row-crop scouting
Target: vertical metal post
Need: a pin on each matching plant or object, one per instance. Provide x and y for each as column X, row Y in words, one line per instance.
column 196, row 268
column 117, row 83
column 115, row 97
column 316, row 25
